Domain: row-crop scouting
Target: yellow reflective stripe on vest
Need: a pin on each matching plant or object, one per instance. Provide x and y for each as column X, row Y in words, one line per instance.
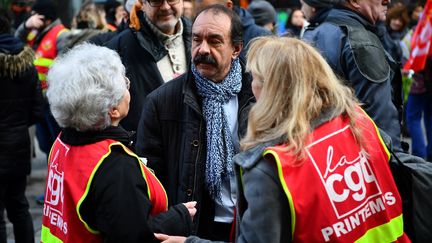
column 42, row 76
column 46, row 236
column 144, row 175
column 88, row 189
column 285, row 188
column 43, row 62
column 62, row 31
column 388, row 232
column 378, row 133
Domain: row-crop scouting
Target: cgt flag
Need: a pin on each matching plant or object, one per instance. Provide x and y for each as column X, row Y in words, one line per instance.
column 421, row 41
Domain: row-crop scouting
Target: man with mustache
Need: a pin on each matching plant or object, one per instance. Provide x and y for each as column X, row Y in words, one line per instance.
column 190, row 127
column 154, row 50
column 346, row 36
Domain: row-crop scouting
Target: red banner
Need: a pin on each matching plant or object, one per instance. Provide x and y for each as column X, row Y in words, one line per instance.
column 421, row 41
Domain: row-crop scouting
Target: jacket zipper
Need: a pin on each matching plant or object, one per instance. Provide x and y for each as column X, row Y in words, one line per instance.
column 196, row 160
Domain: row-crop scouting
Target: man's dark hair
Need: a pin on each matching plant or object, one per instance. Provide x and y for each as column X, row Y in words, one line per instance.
column 5, row 21
column 236, row 26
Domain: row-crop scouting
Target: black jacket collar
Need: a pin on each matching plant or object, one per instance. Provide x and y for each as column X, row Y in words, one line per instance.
column 73, row 137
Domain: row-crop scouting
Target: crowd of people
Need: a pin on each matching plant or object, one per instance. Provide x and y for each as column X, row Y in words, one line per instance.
column 199, row 121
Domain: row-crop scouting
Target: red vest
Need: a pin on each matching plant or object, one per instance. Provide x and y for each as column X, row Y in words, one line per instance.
column 111, row 27
column 70, row 173
column 46, row 51
column 339, row 192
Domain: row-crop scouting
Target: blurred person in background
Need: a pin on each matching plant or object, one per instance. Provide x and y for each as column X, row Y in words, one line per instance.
column 22, row 104
column 264, row 14
column 89, row 22
column 188, row 9
column 114, row 13
column 418, row 100
column 396, row 26
column 414, row 12
column 110, row 196
column 20, row 12
column 250, row 28
column 295, row 23
column 43, row 31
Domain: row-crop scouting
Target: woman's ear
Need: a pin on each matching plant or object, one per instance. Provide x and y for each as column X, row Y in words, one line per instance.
column 114, row 113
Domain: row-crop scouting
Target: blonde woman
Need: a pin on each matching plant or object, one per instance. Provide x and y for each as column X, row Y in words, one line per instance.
column 312, row 157
column 313, row 166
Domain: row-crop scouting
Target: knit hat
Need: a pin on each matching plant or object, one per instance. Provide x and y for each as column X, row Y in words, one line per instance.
column 263, row 12
column 322, row 3
column 46, row 8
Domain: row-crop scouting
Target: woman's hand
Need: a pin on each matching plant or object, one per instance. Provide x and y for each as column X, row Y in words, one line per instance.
column 191, row 208
column 170, row 239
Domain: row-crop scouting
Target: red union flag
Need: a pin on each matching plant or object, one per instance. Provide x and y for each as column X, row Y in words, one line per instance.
column 421, row 41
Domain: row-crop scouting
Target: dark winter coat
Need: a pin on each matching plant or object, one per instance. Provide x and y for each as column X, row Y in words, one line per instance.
column 140, row 51
column 172, row 136
column 21, row 103
column 362, row 62
column 250, row 29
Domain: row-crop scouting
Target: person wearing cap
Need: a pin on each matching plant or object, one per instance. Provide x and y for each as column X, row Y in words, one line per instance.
column 345, row 36
column 263, row 13
column 155, row 49
column 250, row 28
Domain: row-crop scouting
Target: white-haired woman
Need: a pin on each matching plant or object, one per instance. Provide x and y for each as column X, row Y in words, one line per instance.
column 97, row 188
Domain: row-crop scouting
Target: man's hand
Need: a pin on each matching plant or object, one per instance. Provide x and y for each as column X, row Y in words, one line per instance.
column 191, row 208
column 35, row 21
column 170, row 239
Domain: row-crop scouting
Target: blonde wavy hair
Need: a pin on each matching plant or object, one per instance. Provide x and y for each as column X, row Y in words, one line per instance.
column 298, row 85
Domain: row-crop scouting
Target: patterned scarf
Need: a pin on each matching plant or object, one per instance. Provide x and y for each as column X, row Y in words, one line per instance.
column 220, row 147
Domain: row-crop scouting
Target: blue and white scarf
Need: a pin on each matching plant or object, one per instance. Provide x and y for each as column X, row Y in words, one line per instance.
column 220, row 147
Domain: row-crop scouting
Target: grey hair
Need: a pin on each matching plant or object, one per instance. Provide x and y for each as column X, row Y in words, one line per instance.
column 83, row 85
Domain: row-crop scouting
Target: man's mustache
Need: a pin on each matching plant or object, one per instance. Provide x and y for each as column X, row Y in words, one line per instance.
column 204, row 59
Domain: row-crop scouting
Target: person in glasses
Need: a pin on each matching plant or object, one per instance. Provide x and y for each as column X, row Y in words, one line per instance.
column 97, row 189
column 155, row 49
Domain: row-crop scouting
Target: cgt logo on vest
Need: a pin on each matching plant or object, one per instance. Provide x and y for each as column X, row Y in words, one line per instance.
column 53, row 206
column 349, row 181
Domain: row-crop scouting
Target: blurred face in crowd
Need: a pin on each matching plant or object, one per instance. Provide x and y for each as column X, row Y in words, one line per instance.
column 120, row 14
column 297, row 18
column 416, row 13
column 164, row 14
column 188, row 9
column 372, row 10
column 307, row 10
column 396, row 24
column 212, row 48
